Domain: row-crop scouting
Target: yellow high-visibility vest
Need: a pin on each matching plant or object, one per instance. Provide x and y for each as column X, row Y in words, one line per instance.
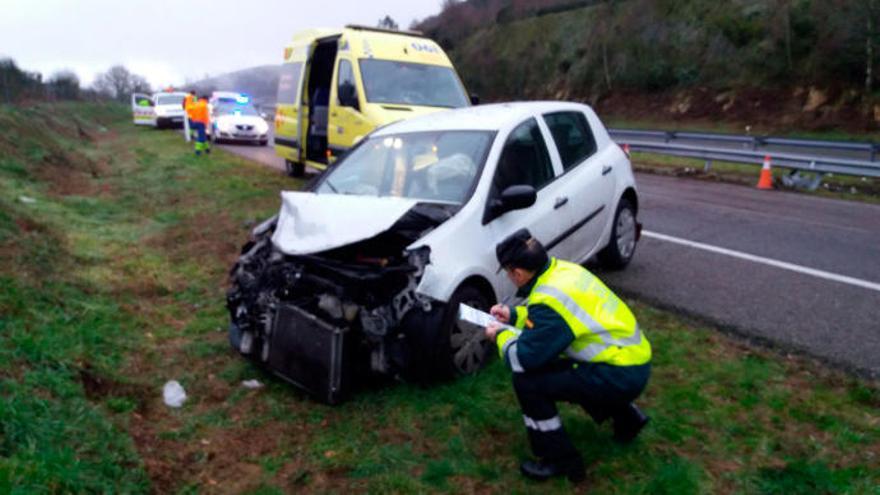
column 604, row 328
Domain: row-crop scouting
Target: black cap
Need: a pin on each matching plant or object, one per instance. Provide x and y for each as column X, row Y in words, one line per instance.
column 521, row 250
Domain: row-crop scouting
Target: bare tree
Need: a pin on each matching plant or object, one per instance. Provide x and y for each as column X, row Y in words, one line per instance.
column 119, row 83
column 388, row 23
column 64, row 85
column 139, row 84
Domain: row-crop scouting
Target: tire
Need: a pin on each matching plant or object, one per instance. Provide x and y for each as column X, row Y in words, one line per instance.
column 622, row 245
column 464, row 349
column 295, row 169
column 264, row 143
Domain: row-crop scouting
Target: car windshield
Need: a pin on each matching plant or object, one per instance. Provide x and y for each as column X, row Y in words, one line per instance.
column 229, row 109
column 403, row 83
column 439, row 167
column 169, row 100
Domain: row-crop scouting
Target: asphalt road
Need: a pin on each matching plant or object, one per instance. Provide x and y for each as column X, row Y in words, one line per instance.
column 263, row 154
column 794, row 271
column 793, row 307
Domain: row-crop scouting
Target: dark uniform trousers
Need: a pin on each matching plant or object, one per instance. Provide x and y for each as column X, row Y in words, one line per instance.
column 604, row 391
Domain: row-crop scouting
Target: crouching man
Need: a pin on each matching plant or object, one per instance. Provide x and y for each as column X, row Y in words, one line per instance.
column 574, row 340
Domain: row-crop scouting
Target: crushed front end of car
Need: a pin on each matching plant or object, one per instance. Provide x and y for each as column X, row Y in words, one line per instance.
column 328, row 319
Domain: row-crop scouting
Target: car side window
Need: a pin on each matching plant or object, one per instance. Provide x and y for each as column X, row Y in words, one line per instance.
column 572, row 136
column 524, row 159
column 346, row 91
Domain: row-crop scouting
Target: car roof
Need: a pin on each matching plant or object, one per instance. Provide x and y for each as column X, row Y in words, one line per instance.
column 492, row 117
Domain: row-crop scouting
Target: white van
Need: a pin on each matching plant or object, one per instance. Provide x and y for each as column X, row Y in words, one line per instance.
column 159, row 110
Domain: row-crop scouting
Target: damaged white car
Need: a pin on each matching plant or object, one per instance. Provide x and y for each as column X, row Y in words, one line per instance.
column 362, row 275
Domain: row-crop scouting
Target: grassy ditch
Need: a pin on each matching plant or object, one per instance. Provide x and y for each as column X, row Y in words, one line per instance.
column 115, row 243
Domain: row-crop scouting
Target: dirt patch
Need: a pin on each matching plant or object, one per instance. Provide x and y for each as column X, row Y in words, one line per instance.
column 765, row 110
column 71, row 173
column 213, row 237
column 98, row 387
column 220, row 459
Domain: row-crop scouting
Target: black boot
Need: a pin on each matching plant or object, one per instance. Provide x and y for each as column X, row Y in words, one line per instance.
column 572, row 469
column 628, row 423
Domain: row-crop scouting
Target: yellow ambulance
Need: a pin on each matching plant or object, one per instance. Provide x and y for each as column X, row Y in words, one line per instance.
column 337, row 85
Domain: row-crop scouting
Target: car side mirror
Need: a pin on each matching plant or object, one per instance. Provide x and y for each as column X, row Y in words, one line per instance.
column 264, row 115
column 516, row 197
column 475, row 99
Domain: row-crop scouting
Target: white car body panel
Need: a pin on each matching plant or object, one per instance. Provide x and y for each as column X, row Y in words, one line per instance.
column 462, row 247
column 227, row 125
column 309, row 223
column 167, row 113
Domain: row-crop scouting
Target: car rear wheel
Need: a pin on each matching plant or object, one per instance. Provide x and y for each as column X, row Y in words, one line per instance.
column 622, row 245
column 295, row 169
column 468, row 350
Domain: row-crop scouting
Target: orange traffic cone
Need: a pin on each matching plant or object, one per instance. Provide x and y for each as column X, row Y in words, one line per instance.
column 765, row 181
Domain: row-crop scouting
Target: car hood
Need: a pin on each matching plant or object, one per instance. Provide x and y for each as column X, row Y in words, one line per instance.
column 240, row 120
column 311, row 223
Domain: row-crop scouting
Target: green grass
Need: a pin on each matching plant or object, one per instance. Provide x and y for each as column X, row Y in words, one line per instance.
column 117, row 285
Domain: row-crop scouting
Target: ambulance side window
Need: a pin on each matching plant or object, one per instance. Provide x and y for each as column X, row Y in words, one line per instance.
column 288, row 83
column 346, row 90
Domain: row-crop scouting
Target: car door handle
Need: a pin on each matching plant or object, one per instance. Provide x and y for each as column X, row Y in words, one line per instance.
column 560, row 202
column 606, row 169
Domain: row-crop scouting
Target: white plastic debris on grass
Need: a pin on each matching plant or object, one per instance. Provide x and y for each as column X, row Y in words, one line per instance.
column 27, row 200
column 174, row 394
column 252, row 384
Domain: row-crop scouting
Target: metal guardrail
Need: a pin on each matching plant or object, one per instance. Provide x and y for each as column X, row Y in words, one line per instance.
column 752, row 141
column 820, row 165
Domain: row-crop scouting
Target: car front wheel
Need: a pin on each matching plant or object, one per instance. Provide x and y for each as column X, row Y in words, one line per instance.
column 295, row 169
column 468, row 350
column 622, row 245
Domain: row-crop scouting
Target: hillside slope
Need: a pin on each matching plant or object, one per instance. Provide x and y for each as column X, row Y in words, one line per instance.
column 260, row 82
column 748, row 60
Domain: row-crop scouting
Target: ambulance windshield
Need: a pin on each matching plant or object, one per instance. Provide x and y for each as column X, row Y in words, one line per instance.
column 402, row 83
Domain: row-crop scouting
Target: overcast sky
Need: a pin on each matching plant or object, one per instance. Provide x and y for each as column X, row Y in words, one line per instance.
column 171, row 41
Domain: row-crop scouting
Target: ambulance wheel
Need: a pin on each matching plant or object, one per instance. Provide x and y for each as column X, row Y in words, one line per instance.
column 264, row 142
column 295, row 169
column 467, row 350
column 622, row 245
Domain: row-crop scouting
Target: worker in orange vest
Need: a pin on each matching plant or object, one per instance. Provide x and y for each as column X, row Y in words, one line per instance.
column 188, row 101
column 201, row 119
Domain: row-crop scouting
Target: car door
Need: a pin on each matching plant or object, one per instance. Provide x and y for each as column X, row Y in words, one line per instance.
column 587, row 180
column 142, row 109
column 525, row 160
column 346, row 123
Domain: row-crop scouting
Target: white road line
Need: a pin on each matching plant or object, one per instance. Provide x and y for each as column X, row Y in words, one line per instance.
column 766, row 261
